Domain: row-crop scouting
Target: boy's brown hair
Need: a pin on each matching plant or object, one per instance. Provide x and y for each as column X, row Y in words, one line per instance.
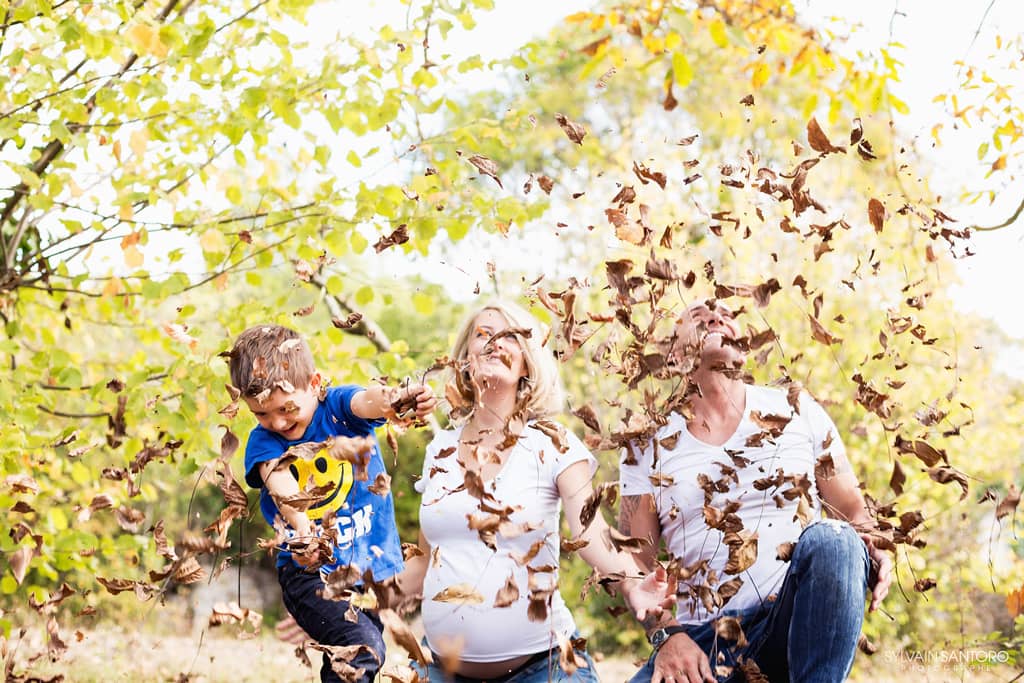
column 268, row 357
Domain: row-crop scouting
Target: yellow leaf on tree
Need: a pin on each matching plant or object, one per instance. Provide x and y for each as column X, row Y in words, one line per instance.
column 133, row 258
column 212, row 241
column 113, row 287
column 760, row 75
column 138, row 141
column 681, row 69
column 221, row 282
column 146, row 40
column 117, row 150
column 718, row 35
column 1000, row 163
column 126, row 212
column 672, row 41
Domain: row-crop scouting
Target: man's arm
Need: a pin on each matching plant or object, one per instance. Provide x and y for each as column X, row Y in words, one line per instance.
column 843, row 500
column 679, row 658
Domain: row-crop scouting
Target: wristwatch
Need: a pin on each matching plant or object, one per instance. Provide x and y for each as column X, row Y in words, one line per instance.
column 658, row 637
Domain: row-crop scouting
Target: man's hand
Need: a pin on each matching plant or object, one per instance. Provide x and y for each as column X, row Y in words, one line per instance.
column 881, row 565
column 650, row 597
column 680, row 660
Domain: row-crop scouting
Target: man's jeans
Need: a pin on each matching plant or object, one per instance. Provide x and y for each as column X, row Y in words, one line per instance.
column 810, row 632
column 324, row 621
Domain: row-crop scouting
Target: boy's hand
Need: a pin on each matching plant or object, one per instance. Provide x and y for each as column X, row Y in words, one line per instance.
column 411, row 400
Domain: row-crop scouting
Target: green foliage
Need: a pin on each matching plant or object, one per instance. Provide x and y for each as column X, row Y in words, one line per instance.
column 177, row 172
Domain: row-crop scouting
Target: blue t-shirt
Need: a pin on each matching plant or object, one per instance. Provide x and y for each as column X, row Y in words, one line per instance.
column 367, row 534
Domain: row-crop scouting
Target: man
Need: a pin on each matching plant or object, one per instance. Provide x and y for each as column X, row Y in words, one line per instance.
column 731, row 488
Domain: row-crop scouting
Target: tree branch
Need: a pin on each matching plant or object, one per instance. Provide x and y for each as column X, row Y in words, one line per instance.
column 1009, row 221
column 340, row 307
column 56, row 147
column 60, row 413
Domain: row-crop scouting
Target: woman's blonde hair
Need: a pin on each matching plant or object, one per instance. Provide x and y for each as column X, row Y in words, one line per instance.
column 543, row 394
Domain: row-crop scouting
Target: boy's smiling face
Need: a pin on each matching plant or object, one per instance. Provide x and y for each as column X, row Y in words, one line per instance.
column 287, row 414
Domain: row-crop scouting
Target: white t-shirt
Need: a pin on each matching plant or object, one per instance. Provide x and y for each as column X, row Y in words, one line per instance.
column 749, row 473
column 527, row 484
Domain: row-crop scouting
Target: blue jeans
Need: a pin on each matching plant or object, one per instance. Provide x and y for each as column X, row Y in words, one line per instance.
column 324, row 621
column 809, row 633
column 542, row 671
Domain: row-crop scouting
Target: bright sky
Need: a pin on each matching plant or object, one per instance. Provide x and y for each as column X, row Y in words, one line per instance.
column 935, row 34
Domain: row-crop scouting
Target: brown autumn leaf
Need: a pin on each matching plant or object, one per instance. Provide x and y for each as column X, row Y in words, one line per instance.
column 507, row 594
column 866, row 645
column 588, row 416
column 400, row 673
column 1008, row 504
column 819, row 141
column 459, row 594
column 646, row 175
column 945, row 474
column 624, row 196
column 898, row 478
column 573, row 130
column 381, row 484
column 820, row 334
column 925, row 584
column 553, row 431
column 143, row 590
column 784, row 551
column 571, row 545
column 924, row 451
column 525, row 558
column 487, row 167
column 876, row 214
column 404, row 636
column 630, row 544
column 55, row 598
column 189, row 571
column 824, row 468
column 400, row 235
column 742, row 550
column 730, row 629
column 348, row 323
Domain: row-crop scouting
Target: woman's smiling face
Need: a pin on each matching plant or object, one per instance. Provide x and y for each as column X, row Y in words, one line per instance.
column 494, row 362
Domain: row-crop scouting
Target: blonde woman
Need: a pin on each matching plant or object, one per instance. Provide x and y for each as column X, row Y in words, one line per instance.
column 492, row 490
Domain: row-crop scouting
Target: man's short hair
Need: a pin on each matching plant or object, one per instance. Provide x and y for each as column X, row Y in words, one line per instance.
column 267, row 357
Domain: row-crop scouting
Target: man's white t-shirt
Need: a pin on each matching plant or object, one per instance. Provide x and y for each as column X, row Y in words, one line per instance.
column 744, row 471
column 526, row 484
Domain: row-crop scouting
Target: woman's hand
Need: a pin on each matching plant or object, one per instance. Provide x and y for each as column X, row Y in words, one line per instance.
column 652, row 595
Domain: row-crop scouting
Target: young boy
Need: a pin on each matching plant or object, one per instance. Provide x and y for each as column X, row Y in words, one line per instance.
column 350, row 523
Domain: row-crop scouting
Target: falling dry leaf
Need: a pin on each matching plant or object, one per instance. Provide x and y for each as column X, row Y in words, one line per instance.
column 487, row 167
column 573, row 130
column 876, row 214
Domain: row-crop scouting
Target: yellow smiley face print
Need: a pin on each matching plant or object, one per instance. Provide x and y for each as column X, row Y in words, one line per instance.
column 324, row 471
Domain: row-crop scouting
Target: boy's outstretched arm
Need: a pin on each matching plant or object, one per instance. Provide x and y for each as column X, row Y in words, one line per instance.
column 379, row 401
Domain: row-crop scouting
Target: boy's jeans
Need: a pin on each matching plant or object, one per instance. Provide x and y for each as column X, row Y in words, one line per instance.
column 324, row 621
column 810, row 632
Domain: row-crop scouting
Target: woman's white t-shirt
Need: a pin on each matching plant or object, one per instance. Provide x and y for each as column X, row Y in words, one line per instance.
column 526, row 490
column 742, row 476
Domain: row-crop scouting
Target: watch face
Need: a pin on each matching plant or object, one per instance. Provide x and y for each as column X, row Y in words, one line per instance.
column 658, row 637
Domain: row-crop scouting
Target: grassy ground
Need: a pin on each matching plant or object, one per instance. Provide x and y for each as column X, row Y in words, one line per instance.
column 126, row 654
